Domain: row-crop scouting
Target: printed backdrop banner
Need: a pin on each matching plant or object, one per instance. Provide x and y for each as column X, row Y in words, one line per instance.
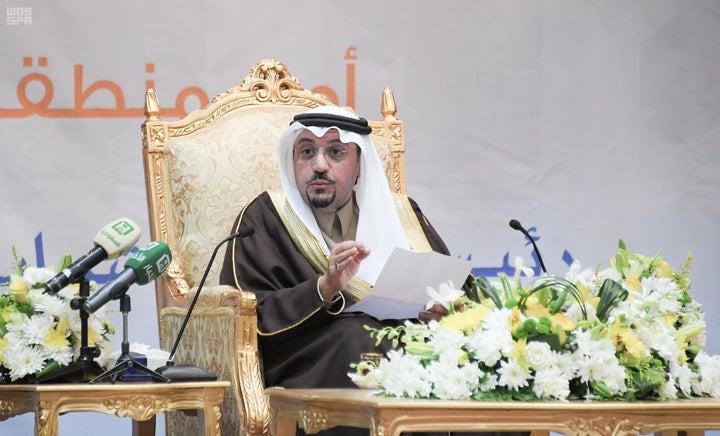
column 587, row 121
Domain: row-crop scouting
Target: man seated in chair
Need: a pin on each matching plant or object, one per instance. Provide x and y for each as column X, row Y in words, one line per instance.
column 318, row 246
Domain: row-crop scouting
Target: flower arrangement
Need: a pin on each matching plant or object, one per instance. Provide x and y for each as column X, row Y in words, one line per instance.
column 625, row 331
column 40, row 332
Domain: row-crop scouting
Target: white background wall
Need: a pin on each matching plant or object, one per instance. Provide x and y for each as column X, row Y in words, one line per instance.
column 588, row 120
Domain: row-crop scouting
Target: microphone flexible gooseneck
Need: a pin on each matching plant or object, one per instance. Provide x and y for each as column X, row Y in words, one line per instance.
column 515, row 224
column 190, row 372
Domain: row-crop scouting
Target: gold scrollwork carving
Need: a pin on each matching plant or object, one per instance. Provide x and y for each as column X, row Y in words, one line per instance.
column 176, row 275
column 258, row 421
column 7, row 408
column 603, row 426
column 139, row 408
column 42, row 414
column 270, row 80
column 218, row 414
column 313, row 420
column 157, row 136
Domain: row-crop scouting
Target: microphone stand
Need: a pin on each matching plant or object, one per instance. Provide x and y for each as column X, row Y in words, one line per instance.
column 515, row 224
column 125, row 360
column 186, row 372
column 85, row 363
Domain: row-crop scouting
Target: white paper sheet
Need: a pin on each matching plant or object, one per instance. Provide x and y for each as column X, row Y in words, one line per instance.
column 399, row 291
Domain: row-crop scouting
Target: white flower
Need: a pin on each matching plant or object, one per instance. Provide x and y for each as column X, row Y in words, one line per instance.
column 35, row 276
column 449, row 382
column 489, row 346
column 539, row 355
column 513, row 375
column 445, row 295
column 578, row 275
column 681, row 376
column 407, row 376
column 550, row 383
column 49, row 304
column 37, row 328
column 498, row 320
column 23, row 360
column 521, row 268
column 445, row 340
column 708, row 381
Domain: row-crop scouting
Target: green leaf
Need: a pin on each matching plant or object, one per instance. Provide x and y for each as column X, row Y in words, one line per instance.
column 50, row 367
column 64, row 262
column 611, row 293
column 487, row 290
column 558, row 285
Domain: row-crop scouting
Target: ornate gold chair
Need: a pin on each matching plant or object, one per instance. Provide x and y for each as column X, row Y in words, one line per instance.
column 199, row 172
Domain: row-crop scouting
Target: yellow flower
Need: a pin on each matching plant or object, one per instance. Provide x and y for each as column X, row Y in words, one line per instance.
column 463, row 358
column 19, row 290
column 632, row 282
column 662, row 269
column 3, row 343
column 466, row 321
column 670, row 318
column 518, row 350
column 516, row 319
column 623, row 337
column 537, row 311
column 5, row 314
column 683, row 338
column 562, row 320
column 93, row 337
column 57, row 338
column 687, row 333
column 682, row 346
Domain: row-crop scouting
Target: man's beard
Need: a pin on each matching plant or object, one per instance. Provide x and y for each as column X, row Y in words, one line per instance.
column 320, row 200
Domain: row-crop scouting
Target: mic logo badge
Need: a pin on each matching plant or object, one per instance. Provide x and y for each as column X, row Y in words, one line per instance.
column 162, row 264
column 123, row 227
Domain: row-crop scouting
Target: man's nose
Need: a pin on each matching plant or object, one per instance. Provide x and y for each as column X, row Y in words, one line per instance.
column 321, row 161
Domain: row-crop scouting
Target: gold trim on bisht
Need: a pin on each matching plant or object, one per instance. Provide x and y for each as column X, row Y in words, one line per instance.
column 310, row 247
column 313, row 251
column 413, row 230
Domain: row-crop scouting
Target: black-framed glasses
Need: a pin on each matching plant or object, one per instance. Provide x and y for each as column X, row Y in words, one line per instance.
column 308, row 153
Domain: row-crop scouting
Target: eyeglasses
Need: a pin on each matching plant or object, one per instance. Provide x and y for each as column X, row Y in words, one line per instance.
column 308, row 153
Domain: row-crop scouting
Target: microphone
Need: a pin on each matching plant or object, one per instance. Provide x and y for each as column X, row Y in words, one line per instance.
column 515, row 224
column 186, row 372
column 113, row 240
column 144, row 266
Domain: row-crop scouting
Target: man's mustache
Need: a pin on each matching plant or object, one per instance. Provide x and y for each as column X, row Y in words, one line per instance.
column 321, row 176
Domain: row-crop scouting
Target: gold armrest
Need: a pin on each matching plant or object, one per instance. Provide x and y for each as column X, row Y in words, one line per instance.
column 221, row 337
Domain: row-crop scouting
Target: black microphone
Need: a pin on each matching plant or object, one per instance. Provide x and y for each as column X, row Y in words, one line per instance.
column 144, row 266
column 113, row 240
column 186, row 372
column 515, row 224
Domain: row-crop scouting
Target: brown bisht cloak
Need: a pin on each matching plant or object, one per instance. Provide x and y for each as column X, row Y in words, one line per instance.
column 302, row 345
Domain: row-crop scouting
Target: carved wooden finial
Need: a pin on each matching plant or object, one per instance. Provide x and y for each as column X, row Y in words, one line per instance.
column 152, row 106
column 271, row 81
column 388, row 108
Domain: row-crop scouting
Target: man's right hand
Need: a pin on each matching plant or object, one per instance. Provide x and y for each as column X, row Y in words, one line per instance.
column 343, row 264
